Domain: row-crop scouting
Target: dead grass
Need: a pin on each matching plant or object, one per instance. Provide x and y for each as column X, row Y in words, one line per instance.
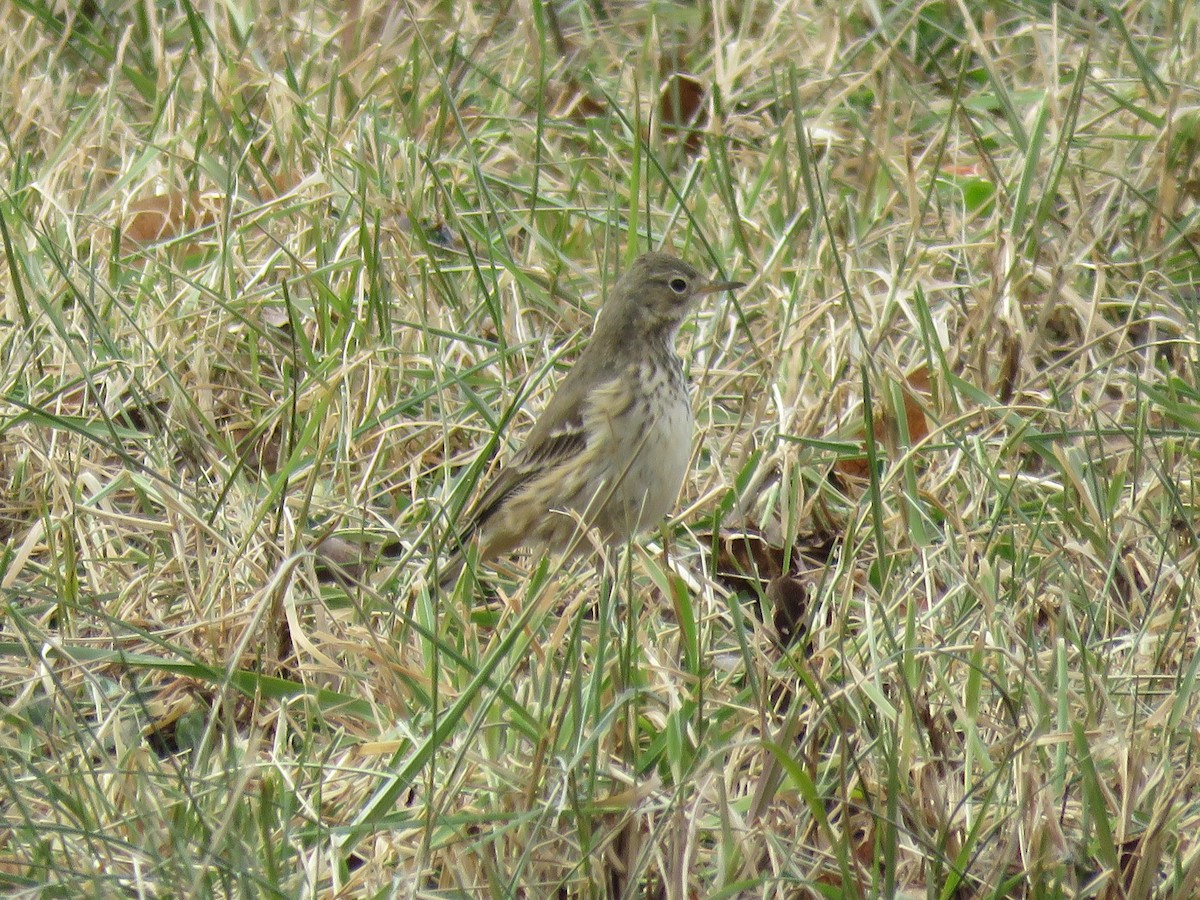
column 276, row 273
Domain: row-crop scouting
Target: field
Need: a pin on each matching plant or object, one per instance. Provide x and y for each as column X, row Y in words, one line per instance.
column 282, row 284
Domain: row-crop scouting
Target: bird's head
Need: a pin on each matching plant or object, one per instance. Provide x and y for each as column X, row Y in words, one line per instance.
column 655, row 294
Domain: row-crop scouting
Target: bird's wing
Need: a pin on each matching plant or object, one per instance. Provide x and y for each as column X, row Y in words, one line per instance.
column 559, row 434
column 554, row 448
column 531, row 459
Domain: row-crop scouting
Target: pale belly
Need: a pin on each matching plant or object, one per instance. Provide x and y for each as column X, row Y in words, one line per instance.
column 626, row 480
column 643, row 490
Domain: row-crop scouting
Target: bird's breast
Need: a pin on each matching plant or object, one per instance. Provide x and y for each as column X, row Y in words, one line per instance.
column 646, row 434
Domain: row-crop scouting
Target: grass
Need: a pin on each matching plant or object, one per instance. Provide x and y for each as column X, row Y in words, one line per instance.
column 273, row 273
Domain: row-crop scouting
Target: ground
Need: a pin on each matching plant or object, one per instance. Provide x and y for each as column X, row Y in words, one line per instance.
column 282, row 283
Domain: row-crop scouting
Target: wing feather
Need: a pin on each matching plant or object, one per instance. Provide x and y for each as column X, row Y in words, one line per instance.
column 559, row 434
column 528, row 462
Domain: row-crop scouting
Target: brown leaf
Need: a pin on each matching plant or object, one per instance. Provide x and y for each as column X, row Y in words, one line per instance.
column 1007, row 379
column 681, row 109
column 886, row 427
column 854, row 468
column 259, row 450
column 570, row 101
column 339, row 557
column 746, row 560
column 862, row 838
column 165, row 216
column 789, row 608
column 916, row 396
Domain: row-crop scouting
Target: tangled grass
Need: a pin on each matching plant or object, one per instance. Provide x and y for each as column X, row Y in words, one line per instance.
column 280, row 278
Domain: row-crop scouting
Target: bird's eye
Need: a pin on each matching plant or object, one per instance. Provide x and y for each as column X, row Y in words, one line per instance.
column 678, row 285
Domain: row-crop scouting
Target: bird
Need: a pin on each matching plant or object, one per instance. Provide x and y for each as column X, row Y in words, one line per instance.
column 611, row 449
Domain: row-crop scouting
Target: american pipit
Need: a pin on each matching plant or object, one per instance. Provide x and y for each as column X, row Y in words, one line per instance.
column 611, row 449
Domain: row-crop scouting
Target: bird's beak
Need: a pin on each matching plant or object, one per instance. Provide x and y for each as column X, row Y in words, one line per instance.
column 714, row 287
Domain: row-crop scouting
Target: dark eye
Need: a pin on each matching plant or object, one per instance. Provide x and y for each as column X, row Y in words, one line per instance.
column 678, row 285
